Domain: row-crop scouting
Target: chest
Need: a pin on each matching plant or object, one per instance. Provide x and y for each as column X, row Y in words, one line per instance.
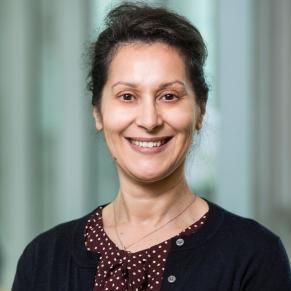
column 203, row 268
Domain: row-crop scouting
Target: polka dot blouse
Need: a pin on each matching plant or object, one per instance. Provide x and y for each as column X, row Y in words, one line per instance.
column 123, row 270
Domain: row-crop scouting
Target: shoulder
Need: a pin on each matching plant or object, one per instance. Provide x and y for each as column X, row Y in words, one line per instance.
column 245, row 229
column 247, row 238
column 63, row 233
column 251, row 249
column 60, row 234
column 50, row 254
column 58, row 241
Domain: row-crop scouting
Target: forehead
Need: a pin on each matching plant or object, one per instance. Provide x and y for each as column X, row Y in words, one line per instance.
column 146, row 61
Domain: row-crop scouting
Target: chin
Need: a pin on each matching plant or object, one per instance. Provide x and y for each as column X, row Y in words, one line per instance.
column 147, row 180
column 149, row 177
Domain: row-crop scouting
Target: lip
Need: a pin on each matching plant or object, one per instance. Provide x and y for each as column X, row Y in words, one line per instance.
column 148, row 139
column 152, row 150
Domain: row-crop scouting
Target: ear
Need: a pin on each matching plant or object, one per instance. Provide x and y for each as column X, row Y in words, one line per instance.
column 199, row 120
column 98, row 119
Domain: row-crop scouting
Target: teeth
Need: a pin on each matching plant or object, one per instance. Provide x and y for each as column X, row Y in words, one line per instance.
column 145, row 144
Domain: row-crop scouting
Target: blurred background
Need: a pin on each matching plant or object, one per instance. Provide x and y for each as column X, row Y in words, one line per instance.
column 53, row 165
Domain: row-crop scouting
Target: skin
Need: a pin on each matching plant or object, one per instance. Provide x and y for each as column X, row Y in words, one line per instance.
column 148, row 94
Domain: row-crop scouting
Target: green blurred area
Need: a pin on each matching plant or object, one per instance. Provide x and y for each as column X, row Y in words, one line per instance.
column 53, row 165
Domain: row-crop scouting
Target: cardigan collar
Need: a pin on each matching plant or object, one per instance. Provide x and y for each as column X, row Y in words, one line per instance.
column 88, row 259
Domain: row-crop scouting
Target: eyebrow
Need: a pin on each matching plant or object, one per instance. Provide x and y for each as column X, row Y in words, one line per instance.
column 162, row 86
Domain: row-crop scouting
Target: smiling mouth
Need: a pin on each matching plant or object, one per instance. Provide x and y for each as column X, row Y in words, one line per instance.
column 151, row 143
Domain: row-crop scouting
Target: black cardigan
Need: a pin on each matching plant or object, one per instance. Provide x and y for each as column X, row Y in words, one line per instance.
column 228, row 253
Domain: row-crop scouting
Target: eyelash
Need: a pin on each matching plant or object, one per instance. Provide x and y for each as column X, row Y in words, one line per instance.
column 170, row 94
column 125, row 94
column 164, row 95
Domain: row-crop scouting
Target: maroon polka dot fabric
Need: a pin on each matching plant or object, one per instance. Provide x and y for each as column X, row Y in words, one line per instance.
column 123, row 270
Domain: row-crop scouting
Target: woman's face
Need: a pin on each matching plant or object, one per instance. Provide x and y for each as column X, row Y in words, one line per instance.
column 148, row 97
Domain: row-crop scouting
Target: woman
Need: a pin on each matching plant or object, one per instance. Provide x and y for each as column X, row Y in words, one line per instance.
column 149, row 97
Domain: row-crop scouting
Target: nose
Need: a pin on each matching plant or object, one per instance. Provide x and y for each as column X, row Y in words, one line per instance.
column 149, row 116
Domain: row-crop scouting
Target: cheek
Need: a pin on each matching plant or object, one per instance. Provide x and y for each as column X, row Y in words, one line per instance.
column 116, row 119
column 181, row 120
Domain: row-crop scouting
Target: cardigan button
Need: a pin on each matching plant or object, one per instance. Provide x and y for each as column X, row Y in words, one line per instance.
column 171, row 279
column 179, row 242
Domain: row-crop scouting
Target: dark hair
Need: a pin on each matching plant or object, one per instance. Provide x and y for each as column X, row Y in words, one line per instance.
column 130, row 22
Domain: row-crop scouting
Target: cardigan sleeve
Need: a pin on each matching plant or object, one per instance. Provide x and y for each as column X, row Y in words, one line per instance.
column 273, row 273
column 24, row 271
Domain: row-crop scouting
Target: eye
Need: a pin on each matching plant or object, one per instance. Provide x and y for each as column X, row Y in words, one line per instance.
column 170, row 97
column 126, row 97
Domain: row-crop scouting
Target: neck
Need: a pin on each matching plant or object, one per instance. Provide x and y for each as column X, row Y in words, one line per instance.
column 152, row 203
